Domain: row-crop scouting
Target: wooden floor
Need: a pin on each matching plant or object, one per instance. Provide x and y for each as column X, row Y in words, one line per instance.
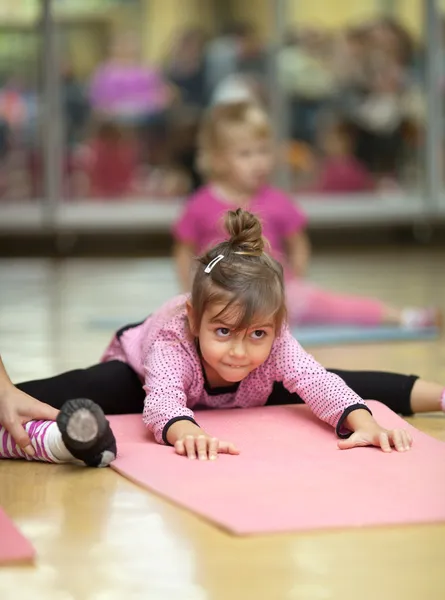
column 99, row 537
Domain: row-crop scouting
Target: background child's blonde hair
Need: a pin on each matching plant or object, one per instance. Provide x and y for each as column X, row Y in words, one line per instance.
column 218, row 121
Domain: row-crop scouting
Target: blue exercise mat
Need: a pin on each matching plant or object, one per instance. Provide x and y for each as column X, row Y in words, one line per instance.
column 329, row 335
column 318, row 335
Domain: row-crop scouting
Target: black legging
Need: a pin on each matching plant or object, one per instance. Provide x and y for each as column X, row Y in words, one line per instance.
column 118, row 390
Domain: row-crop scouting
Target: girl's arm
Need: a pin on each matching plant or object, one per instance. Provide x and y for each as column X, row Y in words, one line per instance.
column 298, row 250
column 187, row 236
column 168, row 377
column 330, row 399
column 183, row 254
column 290, row 222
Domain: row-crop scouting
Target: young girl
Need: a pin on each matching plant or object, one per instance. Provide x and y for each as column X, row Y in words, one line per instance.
column 235, row 147
column 227, row 345
column 340, row 172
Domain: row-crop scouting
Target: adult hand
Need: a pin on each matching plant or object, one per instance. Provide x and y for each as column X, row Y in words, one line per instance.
column 16, row 409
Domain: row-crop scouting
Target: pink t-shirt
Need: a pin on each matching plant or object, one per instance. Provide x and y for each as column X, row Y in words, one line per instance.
column 164, row 355
column 202, row 221
column 342, row 175
column 129, row 90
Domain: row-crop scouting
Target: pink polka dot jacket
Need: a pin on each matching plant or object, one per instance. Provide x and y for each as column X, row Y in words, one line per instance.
column 165, row 357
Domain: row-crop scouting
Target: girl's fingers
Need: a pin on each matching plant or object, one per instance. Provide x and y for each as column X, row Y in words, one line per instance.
column 213, row 448
column 384, row 442
column 397, row 440
column 189, row 442
column 201, row 446
column 233, row 449
column 406, row 440
column 402, row 440
column 180, row 448
column 227, row 448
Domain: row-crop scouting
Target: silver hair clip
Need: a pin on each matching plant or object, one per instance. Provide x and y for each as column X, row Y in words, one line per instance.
column 213, row 262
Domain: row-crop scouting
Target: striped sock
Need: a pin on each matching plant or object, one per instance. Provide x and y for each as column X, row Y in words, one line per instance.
column 46, row 440
column 81, row 435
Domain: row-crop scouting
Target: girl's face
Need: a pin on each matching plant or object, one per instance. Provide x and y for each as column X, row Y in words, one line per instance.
column 229, row 355
column 246, row 160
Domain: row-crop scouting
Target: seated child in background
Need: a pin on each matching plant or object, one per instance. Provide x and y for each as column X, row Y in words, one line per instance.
column 225, row 346
column 109, row 162
column 340, row 171
column 236, row 156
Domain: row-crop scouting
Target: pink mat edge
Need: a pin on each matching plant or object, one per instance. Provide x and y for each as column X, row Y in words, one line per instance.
column 201, row 517
column 26, row 553
column 228, row 530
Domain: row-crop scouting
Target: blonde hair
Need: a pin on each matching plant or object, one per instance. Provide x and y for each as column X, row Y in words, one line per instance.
column 247, row 281
column 213, row 131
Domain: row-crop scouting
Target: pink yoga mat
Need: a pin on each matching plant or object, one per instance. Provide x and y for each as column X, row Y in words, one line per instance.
column 290, row 476
column 14, row 547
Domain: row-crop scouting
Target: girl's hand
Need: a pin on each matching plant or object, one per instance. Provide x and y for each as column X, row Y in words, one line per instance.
column 188, row 439
column 203, row 447
column 375, row 435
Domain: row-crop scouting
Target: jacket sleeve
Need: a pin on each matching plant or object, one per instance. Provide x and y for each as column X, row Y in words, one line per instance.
column 327, row 395
column 168, row 375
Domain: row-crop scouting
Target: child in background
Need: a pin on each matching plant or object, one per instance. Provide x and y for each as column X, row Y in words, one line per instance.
column 236, row 156
column 109, row 162
column 340, row 171
column 225, row 346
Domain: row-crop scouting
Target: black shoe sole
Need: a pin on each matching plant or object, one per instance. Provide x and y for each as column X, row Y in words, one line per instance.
column 91, row 451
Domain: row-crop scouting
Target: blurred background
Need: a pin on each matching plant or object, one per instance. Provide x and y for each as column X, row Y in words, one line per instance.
column 100, row 101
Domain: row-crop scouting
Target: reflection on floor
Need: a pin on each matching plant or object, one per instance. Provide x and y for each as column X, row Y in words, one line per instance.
column 46, row 307
column 99, row 537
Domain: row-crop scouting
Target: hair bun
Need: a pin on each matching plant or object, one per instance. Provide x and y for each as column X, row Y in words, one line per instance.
column 245, row 231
